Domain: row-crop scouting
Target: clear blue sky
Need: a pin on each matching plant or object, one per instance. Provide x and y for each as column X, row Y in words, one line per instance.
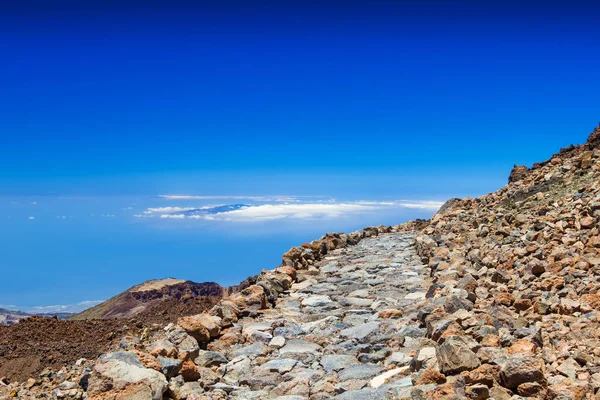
column 348, row 100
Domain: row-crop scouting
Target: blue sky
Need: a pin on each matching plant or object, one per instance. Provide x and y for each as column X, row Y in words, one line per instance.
column 107, row 104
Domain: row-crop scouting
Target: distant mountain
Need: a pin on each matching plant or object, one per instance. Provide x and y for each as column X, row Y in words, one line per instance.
column 10, row 317
column 214, row 210
column 150, row 294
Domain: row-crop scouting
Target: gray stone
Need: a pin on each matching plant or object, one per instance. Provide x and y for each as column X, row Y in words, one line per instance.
column 317, row 301
column 569, row 368
column 210, row 359
column 251, row 350
column 118, row 375
column 359, row 371
column 399, row 358
column 521, row 369
column 455, row 356
column 123, row 356
column 277, row 342
column 360, row 332
column 169, row 366
column 336, row 362
column 356, row 302
column 299, row 346
column 362, row 394
column 281, row 366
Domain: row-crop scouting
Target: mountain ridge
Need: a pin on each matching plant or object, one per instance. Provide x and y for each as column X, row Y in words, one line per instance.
column 144, row 296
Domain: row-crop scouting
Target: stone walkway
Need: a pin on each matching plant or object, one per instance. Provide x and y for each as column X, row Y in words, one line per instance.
column 348, row 329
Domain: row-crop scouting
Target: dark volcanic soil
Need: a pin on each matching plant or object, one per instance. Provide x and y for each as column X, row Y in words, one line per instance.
column 36, row 343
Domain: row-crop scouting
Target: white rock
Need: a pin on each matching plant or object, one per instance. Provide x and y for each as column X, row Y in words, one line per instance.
column 317, row 301
column 415, row 296
column 277, row 342
column 383, row 378
column 118, row 375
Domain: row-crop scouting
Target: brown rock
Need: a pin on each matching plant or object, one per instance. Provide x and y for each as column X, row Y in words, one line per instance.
column 211, row 323
column 189, row 371
column 390, row 313
column 455, row 356
column 251, row 298
column 291, row 271
column 490, row 340
column 477, row 392
column 485, row 374
column 522, row 346
column 587, row 222
column 531, row 389
column 522, row 304
column 506, row 299
column 520, row 369
column 518, row 173
column 147, row 360
column 431, row 376
column 194, row 328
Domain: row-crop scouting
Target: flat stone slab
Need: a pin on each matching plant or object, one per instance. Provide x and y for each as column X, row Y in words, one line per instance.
column 362, row 394
column 336, row 362
column 282, row 366
column 361, row 331
column 359, row 371
column 415, row 296
column 295, row 346
column 317, row 301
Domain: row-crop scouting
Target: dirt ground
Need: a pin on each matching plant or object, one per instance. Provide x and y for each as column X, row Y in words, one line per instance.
column 36, row 343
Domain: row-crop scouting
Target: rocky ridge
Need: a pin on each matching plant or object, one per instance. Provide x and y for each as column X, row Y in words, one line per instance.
column 494, row 297
column 148, row 295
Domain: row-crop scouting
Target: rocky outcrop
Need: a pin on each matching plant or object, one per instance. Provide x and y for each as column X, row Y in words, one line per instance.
column 151, row 294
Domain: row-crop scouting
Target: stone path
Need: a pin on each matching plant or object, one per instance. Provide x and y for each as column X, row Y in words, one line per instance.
column 348, row 329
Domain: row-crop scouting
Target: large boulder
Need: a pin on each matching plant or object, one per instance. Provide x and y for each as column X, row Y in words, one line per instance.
column 195, row 328
column 455, row 355
column 518, row 173
column 252, row 298
column 124, row 376
column 520, row 369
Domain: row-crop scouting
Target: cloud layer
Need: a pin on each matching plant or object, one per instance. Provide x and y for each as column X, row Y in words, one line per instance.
column 266, row 212
column 280, row 199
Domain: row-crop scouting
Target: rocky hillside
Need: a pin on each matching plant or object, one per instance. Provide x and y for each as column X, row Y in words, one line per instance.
column 494, row 297
column 516, row 277
column 148, row 295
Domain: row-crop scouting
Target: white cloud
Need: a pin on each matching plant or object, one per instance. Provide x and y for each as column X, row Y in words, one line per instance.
column 296, row 211
column 169, row 209
column 31, row 218
column 173, row 216
column 145, row 215
column 276, row 198
column 423, row 205
column 34, row 202
column 286, row 210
